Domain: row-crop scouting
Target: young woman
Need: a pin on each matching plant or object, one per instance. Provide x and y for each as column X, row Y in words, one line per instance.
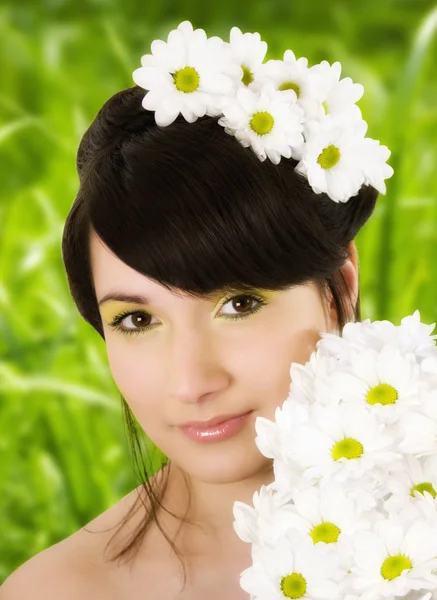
column 207, row 272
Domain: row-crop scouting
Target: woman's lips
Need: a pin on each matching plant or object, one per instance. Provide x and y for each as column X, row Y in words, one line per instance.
column 216, row 432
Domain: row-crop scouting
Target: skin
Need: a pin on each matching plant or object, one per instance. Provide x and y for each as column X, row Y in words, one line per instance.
column 195, row 364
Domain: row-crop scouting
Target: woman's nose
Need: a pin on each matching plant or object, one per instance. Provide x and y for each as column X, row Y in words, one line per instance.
column 195, row 368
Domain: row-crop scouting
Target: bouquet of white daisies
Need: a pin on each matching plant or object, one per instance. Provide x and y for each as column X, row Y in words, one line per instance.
column 352, row 511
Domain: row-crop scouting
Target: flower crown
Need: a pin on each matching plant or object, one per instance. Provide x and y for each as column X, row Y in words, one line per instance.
column 278, row 108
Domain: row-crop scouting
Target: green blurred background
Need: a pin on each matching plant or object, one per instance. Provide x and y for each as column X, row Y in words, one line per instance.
column 63, row 451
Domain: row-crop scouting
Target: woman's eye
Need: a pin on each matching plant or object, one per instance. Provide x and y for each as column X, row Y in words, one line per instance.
column 243, row 304
column 132, row 322
column 139, row 320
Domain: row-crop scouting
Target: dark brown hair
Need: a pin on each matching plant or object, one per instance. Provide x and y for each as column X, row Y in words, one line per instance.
column 190, row 207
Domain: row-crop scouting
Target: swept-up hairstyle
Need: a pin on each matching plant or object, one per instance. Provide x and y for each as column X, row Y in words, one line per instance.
column 190, row 207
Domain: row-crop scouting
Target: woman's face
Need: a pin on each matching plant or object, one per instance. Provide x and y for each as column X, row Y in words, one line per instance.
column 195, row 364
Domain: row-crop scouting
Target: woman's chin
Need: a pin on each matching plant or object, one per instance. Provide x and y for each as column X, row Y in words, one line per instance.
column 228, row 467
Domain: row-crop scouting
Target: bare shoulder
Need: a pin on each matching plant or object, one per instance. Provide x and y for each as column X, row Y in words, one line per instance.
column 73, row 568
column 46, row 575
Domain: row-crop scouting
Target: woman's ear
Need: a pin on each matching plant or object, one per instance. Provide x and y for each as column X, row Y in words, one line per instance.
column 350, row 271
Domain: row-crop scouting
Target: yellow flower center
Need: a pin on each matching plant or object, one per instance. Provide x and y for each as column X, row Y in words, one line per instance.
column 394, row 565
column 325, row 532
column 325, row 106
column 293, row 586
column 329, row 157
column 262, row 122
column 426, row 486
column 382, row 394
column 247, row 75
column 347, row 448
column 186, row 79
column 290, row 85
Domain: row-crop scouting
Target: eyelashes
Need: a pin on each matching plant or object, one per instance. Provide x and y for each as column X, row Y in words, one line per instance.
column 117, row 326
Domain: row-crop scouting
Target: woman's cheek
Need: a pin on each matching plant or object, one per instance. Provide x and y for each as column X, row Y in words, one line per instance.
column 128, row 370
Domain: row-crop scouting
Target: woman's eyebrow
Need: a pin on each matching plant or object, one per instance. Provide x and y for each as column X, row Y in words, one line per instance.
column 129, row 298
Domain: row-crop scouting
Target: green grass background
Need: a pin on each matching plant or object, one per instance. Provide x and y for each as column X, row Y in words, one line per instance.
column 63, row 451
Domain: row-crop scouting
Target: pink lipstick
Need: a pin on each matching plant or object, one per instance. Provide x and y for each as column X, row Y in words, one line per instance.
column 217, row 432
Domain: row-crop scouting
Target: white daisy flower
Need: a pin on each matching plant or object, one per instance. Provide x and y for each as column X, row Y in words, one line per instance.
column 333, row 157
column 387, row 381
column 294, row 568
column 420, row 428
column 267, row 520
column 266, row 121
column 188, row 74
column 417, row 478
column 248, row 51
column 341, row 442
column 291, row 74
column 394, row 558
column 335, row 97
column 327, row 515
